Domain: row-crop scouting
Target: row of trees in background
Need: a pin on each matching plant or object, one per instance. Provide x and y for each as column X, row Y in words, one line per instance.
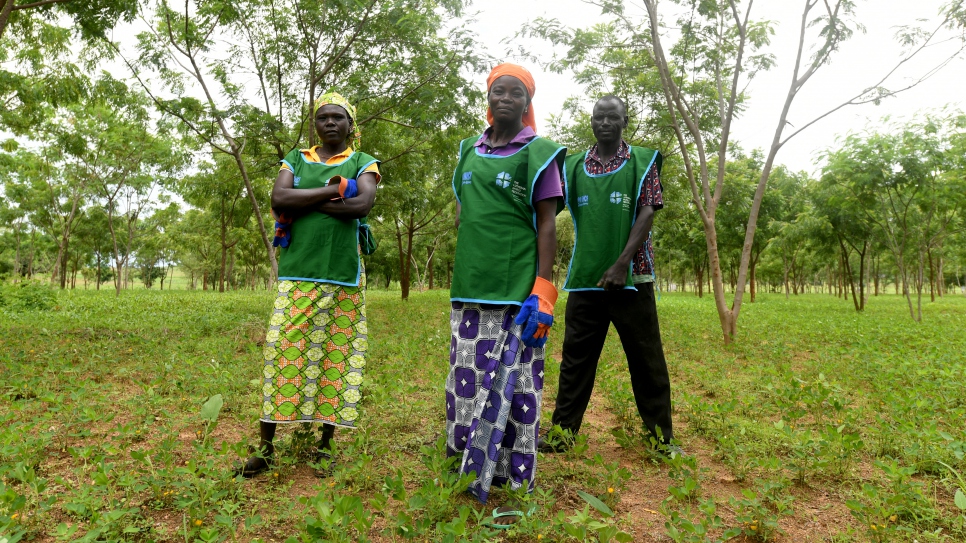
column 131, row 159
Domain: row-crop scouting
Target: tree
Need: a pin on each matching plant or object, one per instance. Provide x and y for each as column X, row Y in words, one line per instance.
column 123, row 159
column 92, row 17
column 384, row 54
column 720, row 48
column 219, row 191
column 47, row 189
column 899, row 179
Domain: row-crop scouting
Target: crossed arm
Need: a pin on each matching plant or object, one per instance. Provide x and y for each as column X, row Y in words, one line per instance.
column 287, row 198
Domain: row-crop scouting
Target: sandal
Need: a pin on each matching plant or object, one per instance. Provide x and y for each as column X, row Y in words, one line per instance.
column 510, row 513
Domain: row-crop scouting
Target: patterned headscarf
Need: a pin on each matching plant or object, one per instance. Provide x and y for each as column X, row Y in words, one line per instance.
column 525, row 77
column 337, row 99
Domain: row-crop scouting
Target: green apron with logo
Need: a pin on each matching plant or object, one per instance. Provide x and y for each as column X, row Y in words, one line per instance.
column 496, row 245
column 604, row 208
column 323, row 248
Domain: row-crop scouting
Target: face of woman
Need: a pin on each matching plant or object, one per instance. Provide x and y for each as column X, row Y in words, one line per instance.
column 332, row 124
column 508, row 98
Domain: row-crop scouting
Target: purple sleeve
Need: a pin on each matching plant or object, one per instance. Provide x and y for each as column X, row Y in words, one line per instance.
column 652, row 193
column 548, row 184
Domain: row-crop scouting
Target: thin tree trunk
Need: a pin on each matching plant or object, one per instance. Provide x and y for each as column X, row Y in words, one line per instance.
column 752, row 292
column 224, row 257
column 861, row 304
column 875, row 273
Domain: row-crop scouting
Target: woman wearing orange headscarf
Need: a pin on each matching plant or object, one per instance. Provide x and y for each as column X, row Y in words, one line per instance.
column 507, row 186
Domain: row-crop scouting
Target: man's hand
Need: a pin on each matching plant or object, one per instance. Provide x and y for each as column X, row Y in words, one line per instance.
column 615, row 278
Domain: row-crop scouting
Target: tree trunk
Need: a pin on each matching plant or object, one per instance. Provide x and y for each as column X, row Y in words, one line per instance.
column 725, row 315
column 847, row 271
column 875, row 273
column 932, row 277
column 6, row 8
column 699, row 275
column 751, row 289
column 861, row 305
column 941, row 273
column 405, row 260
column 230, row 272
column 785, row 277
column 429, row 265
column 236, row 152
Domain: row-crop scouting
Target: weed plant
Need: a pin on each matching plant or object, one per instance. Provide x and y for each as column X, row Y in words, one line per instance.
column 109, row 429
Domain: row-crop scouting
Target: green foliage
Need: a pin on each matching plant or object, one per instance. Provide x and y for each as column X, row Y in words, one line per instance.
column 28, row 295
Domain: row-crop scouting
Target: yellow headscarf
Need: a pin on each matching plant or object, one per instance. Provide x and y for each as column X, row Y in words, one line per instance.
column 337, row 99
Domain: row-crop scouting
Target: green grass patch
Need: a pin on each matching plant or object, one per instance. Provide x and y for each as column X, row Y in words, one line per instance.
column 109, row 430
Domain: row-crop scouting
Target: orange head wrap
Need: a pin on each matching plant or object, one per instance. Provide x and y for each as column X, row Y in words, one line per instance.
column 525, row 77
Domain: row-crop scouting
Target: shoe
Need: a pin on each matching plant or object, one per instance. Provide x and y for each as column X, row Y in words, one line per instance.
column 323, row 457
column 550, row 446
column 672, row 450
column 253, row 466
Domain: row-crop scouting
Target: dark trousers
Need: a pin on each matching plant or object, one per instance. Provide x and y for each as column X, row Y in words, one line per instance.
column 634, row 315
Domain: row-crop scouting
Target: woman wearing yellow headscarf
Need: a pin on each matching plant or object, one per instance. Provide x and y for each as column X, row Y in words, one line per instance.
column 315, row 349
column 507, row 186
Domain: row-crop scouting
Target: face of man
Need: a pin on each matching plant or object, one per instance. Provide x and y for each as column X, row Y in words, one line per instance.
column 608, row 121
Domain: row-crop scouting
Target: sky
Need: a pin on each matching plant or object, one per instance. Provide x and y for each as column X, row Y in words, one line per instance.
column 860, row 63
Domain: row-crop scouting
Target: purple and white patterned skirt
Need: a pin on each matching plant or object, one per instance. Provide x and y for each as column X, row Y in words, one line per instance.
column 494, row 393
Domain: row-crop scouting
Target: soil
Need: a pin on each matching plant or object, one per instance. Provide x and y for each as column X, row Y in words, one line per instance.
column 818, row 514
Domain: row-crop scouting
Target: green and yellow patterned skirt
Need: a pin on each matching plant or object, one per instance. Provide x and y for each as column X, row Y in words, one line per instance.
column 315, row 353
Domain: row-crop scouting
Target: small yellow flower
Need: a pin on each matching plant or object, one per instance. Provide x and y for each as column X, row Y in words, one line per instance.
column 754, row 527
column 893, row 518
column 275, row 474
column 197, row 522
column 14, row 516
column 873, row 526
column 331, row 484
column 610, row 490
column 539, row 537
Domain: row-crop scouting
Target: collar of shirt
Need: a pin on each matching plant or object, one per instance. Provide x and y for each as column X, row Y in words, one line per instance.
column 522, row 138
column 593, row 158
column 313, row 155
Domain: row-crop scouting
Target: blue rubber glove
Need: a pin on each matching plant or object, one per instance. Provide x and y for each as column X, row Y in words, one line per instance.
column 283, row 230
column 348, row 188
column 536, row 314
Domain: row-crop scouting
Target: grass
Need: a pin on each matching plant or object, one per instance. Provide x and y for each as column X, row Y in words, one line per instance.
column 819, row 424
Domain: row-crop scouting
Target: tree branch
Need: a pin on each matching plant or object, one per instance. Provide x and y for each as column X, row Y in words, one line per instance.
column 38, row 4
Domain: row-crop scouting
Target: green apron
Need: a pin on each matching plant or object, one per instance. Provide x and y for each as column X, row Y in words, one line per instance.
column 496, row 245
column 603, row 208
column 323, row 248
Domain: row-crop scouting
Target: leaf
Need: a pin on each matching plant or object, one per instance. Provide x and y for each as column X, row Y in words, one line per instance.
column 212, row 407
column 960, row 499
column 595, row 503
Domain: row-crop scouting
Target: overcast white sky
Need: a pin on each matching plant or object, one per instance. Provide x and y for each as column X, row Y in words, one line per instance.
column 861, row 62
